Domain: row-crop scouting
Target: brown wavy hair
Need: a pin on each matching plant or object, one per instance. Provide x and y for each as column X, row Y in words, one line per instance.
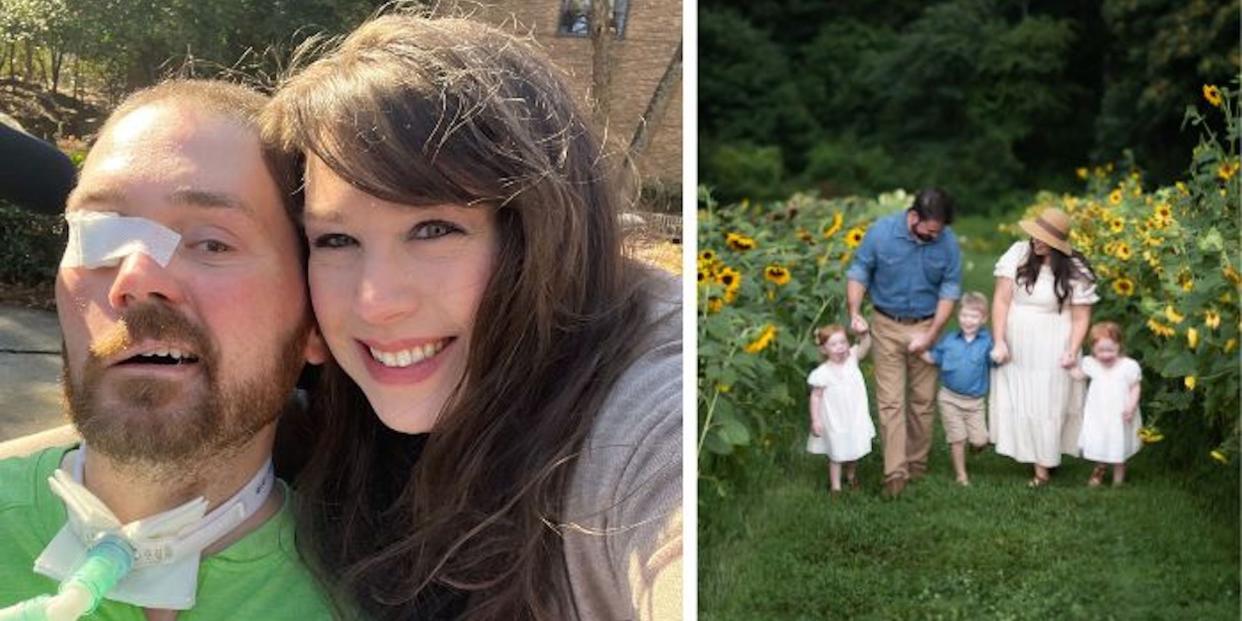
column 1065, row 268
column 465, row 520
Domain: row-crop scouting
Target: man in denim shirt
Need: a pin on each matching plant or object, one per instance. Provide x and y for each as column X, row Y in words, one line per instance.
column 910, row 264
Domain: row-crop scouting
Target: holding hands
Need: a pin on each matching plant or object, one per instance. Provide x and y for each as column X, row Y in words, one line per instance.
column 1069, row 359
column 1000, row 352
column 921, row 343
column 858, row 325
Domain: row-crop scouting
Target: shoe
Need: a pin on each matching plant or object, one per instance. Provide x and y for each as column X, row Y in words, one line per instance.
column 894, row 486
column 1097, row 476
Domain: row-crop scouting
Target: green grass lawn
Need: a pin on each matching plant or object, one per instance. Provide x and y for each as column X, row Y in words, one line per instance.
column 996, row 550
column 1154, row 549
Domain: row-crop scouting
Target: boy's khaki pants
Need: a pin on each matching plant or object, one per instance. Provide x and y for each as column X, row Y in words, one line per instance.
column 907, row 431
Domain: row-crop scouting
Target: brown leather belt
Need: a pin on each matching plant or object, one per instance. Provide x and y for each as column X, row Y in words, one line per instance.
column 904, row 320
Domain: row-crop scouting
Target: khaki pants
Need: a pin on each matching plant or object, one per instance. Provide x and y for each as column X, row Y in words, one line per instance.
column 907, row 431
column 962, row 417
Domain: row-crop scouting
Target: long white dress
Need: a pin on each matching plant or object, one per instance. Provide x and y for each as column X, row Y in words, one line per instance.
column 1034, row 410
column 848, row 429
column 1106, row 437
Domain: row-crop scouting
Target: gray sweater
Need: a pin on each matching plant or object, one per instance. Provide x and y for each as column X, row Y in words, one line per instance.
column 623, row 529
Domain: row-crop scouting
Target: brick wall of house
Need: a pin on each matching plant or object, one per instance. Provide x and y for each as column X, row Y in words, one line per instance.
column 640, row 58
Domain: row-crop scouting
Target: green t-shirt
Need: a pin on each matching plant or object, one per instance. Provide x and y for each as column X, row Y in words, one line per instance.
column 258, row 577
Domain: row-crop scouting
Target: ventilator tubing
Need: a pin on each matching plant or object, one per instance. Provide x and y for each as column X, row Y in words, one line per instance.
column 107, row 562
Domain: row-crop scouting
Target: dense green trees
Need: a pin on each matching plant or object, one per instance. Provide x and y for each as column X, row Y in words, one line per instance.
column 120, row 45
column 989, row 98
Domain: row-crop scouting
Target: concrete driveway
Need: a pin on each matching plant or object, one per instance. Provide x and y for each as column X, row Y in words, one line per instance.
column 30, row 395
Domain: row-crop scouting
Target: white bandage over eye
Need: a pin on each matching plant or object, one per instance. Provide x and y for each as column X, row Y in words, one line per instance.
column 104, row 238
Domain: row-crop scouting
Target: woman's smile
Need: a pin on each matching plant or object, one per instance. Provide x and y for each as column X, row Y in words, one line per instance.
column 411, row 365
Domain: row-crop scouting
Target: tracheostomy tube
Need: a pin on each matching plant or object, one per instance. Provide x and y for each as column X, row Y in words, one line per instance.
column 107, row 562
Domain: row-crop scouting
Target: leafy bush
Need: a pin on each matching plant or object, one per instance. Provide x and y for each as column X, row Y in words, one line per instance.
column 752, row 172
column 30, row 246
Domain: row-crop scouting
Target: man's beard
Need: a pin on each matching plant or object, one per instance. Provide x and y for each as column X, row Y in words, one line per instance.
column 138, row 427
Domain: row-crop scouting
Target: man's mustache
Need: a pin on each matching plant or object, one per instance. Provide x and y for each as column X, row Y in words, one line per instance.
column 151, row 322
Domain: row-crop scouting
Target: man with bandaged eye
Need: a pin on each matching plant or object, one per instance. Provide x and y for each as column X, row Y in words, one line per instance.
column 183, row 305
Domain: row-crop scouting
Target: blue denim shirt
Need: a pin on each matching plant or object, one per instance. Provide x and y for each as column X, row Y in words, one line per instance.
column 964, row 365
column 907, row 277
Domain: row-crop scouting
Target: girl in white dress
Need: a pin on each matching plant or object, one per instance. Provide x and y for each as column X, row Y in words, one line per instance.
column 841, row 426
column 1040, row 314
column 1111, row 418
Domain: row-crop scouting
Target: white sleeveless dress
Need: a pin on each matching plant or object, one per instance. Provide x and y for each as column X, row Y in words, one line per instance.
column 1035, row 406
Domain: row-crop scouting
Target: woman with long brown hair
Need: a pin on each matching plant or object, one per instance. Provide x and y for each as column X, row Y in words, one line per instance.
column 500, row 426
column 1041, row 309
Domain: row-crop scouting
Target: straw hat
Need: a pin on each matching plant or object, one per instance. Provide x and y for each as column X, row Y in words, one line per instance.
column 1052, row 227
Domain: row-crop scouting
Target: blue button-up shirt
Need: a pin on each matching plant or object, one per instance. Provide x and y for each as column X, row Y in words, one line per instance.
column 964, row 365
column 905, row 276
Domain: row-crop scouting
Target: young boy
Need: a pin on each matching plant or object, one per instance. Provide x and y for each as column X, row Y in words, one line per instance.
column 964, row 365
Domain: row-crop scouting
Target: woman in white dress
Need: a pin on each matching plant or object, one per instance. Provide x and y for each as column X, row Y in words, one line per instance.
column 1040, row 312
column 841, row 426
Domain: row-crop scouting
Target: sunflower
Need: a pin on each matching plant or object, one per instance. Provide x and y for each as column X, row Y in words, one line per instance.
column 1212, row 94
column 1122, row 251
column 1230, row 345
column 777, row 274
column 837, row 221
column 1123, row 287
column 1114, row 197
column 1192, row 338
column 1117, row 225
column 1150, row 435
column 729, row 278
column 1181, row 187
column 1232, row 274
column 805, row 236
column 1081, row 172
column 1160, row 329
column 1219, row 456
column 1186, row 280
column 739, row 242
column 761, row 343
column 1227, row 170
column 703, row 276
column 1172, row 315
column 1189, row 382
column 1164, row 211
column 1211, row 319
column 708, row 256
column 854, row 237
column 714, row 303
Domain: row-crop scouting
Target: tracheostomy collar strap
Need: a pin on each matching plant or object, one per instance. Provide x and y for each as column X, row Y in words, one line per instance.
column 167, row 546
